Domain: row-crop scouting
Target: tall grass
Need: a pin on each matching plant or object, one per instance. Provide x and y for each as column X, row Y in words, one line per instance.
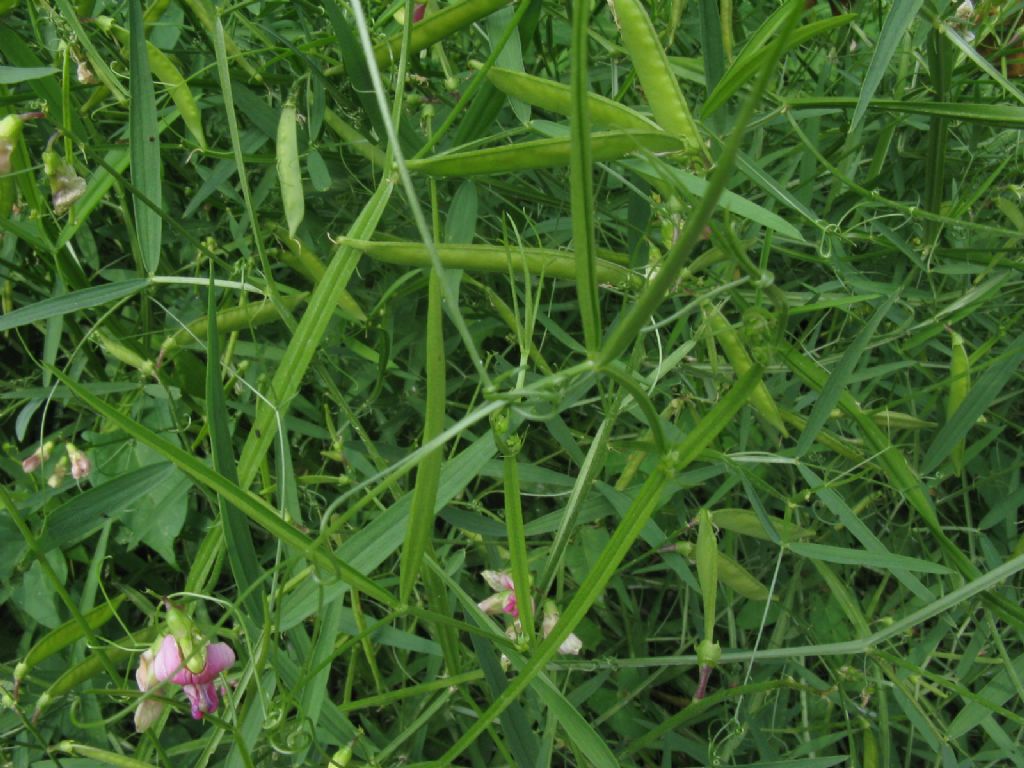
column 534, row 384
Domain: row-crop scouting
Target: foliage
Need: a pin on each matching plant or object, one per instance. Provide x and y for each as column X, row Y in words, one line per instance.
column 694, row 325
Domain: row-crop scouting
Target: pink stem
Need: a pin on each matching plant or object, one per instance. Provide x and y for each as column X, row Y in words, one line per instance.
column 702, row 683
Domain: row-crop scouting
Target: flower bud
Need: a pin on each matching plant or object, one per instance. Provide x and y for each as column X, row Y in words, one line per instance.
column 38, row 458
column 59, row 472
column 80, row 464
column 10, row 132
column 193, row 651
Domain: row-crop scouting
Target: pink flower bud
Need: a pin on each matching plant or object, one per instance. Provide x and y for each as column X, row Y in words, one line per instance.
column 80, row 464
column 38, row 457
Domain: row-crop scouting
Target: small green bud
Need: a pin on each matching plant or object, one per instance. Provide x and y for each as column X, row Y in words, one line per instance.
column 10, row 132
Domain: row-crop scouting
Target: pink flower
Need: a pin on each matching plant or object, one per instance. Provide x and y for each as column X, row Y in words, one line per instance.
column 504, row 598
column 418, row 11
column 198, row 686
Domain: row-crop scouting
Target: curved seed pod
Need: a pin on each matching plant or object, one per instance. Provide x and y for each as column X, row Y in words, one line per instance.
column 251, row 315
column 490, row 258
column 870, row 745
column 731, row 573
column 543, row 153
column 166, row 73
column 739, row 579
column 728, row 339
column 289, row 171
column 959, row 388
column 436, row 27
column 661, row 88
column 122, row 352
column 101, row 756
column 556, row 97
column 60, row 638
column 303, row 260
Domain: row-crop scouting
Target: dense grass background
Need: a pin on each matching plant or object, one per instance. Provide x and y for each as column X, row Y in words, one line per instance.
column 748, row 377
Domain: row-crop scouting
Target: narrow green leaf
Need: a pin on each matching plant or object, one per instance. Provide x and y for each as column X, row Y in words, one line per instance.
column 659, row 171
column 144, row 143
column 71, row 302
column 897, row 22
column 875, row 560
column 581, row 182
column 419, row 535
column 15, row 75
column 245, row 565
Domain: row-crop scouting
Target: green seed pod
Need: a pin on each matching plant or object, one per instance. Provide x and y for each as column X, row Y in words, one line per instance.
column 959, row 388
column 556, row 97
column 731, row 573
column 734, row 349
column 58, row 639
column 122, row 352
column 870, row 748
column 543, row 153
column 289, row 170
column 758, row 331
column 654, row 72
column 491, row 258
column 707, row 569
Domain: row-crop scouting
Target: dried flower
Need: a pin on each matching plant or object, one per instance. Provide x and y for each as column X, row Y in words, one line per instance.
column 66, row 186
column 572, row 645
column 148, row 709
column 965, row 11
column 84, row 74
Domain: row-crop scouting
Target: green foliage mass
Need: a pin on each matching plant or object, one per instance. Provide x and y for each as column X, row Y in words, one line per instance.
column 696, row 325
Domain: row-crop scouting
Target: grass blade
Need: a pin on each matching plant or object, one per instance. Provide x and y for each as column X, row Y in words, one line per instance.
column 897, row 22
column 144, row 144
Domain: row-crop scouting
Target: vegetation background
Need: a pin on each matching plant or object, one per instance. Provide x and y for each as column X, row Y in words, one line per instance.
column 700, row 320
